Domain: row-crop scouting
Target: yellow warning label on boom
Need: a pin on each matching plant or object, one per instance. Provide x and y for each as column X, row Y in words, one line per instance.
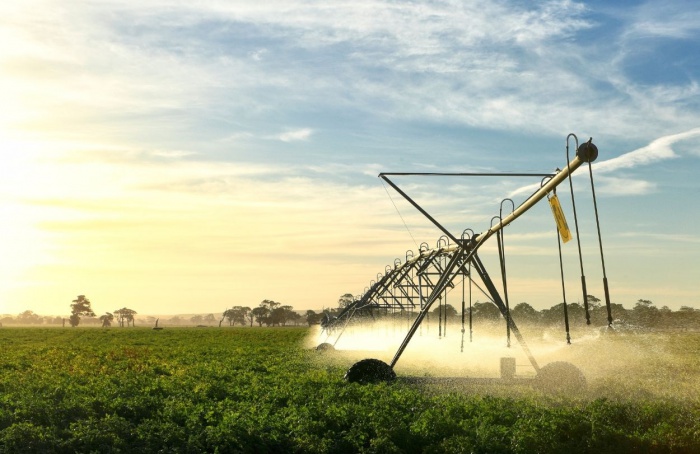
column 559, row 218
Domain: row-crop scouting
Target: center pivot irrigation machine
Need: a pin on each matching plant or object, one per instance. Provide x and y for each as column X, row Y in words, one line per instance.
column 415, row 285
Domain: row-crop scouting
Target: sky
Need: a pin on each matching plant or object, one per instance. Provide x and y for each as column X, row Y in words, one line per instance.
column 186, row 157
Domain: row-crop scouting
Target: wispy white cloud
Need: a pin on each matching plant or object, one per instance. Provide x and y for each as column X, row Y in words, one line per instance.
column 624, row 186
column 658, row 150
column 296, row 135
column 670, row 19
column 484, row 64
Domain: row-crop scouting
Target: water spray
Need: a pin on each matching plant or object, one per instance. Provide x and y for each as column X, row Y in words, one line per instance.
column 428, row 275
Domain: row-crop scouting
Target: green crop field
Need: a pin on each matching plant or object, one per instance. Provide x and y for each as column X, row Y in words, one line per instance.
column 263, row 390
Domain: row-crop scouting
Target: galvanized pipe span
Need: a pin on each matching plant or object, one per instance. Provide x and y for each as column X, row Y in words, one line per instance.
column 587, row 152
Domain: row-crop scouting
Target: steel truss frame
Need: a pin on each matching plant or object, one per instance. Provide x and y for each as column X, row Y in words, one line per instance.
column 417, row 283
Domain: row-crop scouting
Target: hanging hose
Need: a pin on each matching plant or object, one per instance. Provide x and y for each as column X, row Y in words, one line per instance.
column 592, row 149
column 502, row 247
column 444, row 330
column 461, row 348
column 427, row 315
column 563, row 287
column 439, row 317
column 578, row 237
column 442, row 307
column 469, row 266
column 501, row 259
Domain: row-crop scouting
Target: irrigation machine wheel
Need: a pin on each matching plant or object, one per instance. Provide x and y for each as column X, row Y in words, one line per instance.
column 370, row 371
column 560, row 377
column 325, row 347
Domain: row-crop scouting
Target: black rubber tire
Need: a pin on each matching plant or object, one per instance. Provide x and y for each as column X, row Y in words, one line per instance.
column 370, row 371
column 560, row 377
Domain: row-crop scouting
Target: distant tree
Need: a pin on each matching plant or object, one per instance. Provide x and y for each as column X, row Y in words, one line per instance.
column 645, row 313
column 176, row 320
column 197, row 319
column 617, row 310
column 269, row 304
column 260, row 314
column 593, row 302
column 250, row 316
column 665, row 317
column 450, row 310
column 80, row 307
column 29, row 318
column 209, row 318
column 125, row 315
column 643, row 303
column 245, row 311
column 296, row 318
column 445, row 309
column 277, row 317
column 312, row 318
column 524, row 313
column 293, row 316
column 281, row 315
column 599, row 313
column 686, row 317
column 275, row 313
column 107, row 319
column 554, row 316
column 237, row 314
column 345, row 300
column 486, row 311
column 234, row 314
column 577, row 314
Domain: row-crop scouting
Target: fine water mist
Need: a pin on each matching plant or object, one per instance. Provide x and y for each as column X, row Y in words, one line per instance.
column 616, row 364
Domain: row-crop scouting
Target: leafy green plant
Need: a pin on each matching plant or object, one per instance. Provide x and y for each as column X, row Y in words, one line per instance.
column 251, row 390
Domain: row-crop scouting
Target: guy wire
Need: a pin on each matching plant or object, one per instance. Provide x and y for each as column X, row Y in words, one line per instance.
column 399, row 212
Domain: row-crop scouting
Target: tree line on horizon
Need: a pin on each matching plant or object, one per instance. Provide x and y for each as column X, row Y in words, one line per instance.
column 81, row 310
column 644, row 314
column 270, row 313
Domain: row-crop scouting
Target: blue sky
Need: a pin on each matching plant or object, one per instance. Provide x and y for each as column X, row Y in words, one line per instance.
column 176, row 157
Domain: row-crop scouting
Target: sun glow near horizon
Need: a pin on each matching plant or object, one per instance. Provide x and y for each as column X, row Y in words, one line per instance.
column 173, row 233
